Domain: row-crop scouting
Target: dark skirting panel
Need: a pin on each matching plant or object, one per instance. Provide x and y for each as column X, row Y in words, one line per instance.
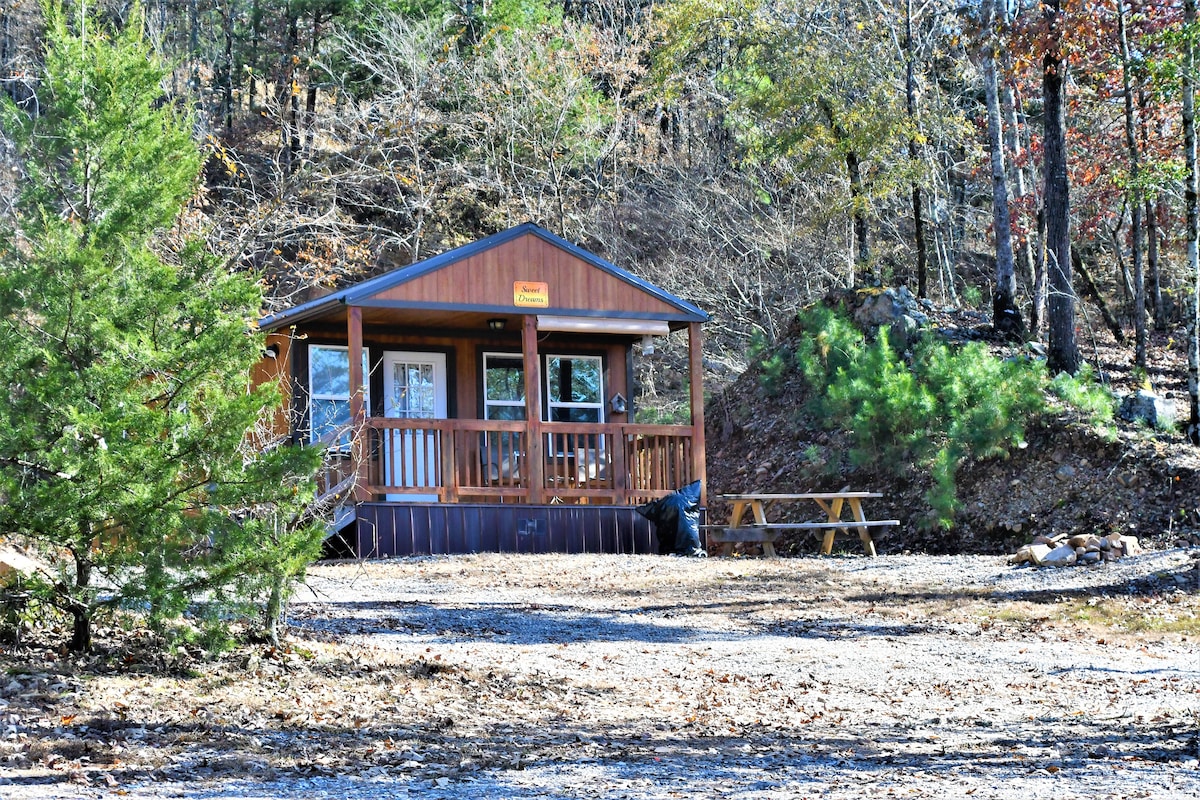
column 404, row 529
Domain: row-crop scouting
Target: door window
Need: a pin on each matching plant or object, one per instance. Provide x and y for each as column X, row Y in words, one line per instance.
column 414, row 392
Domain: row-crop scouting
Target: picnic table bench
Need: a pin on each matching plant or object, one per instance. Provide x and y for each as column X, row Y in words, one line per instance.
column 766, row 533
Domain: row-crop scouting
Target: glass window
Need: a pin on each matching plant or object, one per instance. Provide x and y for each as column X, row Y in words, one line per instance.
column 575, row 389
column 414, row 393
column 503, row 386
column 329, row 391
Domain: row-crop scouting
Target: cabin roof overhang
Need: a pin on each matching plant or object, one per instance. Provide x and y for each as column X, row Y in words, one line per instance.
column 383, row 300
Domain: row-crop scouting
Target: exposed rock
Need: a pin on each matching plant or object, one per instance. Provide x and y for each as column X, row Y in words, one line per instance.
column 1061, row 556
column 1022, row 556
column 1061, row 551
column 904, row 332
column 894, row 308
column 1148, row 407
column 1038, row 553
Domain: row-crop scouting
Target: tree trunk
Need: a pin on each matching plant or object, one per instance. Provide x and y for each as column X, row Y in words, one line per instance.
column 958, row 207
column 1062, row 352
column 1192, row 206
column 226, row 73
column 1135, row 198
column 81, row 611
column 1092, row 291
column 1037, row 311
column 252, row 86
column 310, row 99
column 1152, row 267
column 286, row 101
column 293, row 111
column 194, row 52
column 1006, row 318
column 273, row 610
column 858, row 202
column 1009, row 102
column 862, row 245
column 910, row 91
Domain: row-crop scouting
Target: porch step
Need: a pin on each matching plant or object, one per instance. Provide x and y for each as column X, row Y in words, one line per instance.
column 343, row 516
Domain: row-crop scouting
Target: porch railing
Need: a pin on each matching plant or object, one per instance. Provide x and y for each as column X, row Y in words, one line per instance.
column 457, row 460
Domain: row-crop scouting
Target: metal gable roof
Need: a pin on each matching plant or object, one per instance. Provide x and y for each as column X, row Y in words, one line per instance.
column 360, row 292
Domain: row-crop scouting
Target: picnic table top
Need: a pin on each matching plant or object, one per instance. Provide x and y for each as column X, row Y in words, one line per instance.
column 798, row 496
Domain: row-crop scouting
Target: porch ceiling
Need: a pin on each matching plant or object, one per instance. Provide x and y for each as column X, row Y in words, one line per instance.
column 422, row 318
column 450, row 319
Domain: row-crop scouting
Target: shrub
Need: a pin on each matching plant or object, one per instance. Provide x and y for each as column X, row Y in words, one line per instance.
column 1083, row 393
column 943, row 405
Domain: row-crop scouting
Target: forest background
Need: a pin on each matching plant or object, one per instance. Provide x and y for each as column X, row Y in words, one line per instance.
column 748, row 156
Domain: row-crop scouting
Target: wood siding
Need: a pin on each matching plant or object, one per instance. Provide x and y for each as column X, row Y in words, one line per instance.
column 486, row 279
column 278, row 370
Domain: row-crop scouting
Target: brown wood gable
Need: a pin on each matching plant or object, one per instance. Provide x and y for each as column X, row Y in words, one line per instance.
column 490, row 278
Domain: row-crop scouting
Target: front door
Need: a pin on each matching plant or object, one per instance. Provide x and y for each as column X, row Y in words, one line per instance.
column 414, row 387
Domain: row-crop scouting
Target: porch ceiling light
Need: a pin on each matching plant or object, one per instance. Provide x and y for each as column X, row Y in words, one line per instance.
column 497, row 323
column 633, row 327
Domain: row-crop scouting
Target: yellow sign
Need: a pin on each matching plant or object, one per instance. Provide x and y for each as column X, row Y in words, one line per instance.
column 533, row 294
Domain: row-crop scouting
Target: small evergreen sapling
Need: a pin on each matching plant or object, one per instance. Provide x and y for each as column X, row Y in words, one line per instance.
column 124, row 450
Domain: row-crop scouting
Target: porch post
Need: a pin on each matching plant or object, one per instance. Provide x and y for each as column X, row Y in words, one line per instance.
column 696, row 381
column 358, row 412
column 535, row 460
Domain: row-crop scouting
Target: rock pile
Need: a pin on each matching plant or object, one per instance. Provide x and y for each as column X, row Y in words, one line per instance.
column 1061, row 551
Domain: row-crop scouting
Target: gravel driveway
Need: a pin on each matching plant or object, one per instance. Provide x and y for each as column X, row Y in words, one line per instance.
column 649, row 677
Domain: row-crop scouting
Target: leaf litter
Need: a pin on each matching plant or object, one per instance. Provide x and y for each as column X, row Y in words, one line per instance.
column 517, row 676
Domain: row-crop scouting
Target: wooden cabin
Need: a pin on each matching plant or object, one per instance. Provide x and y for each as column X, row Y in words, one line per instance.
column 481, row 400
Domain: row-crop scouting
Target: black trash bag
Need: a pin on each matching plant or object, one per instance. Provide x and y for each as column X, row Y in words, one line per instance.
column 676, row 520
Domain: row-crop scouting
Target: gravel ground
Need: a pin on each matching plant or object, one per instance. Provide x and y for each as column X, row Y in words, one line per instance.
column 496, row 677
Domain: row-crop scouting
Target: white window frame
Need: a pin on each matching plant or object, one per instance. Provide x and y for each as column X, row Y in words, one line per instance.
column 489, row 403
column 335, row 397
column 551, row 404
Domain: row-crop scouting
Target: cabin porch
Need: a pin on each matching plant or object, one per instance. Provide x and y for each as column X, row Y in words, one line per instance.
column 577, row 495
column 496, row 376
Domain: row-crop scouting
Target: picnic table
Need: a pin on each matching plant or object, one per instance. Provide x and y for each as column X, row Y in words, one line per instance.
column 766, row 533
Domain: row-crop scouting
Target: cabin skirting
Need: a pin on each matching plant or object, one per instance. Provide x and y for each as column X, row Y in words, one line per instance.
column 406, row 529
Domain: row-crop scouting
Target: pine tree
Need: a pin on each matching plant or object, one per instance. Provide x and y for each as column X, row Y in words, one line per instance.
column 126, row 453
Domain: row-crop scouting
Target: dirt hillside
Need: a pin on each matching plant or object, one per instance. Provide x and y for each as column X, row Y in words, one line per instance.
column 1071, row 477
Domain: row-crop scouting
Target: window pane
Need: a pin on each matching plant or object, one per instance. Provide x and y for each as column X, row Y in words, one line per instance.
column 329, row 416
column 504, row 379
column 573, row 380
column 561, row 414
column 413, row 395
column 585, row 380
column 330, row 369
column 506, row 412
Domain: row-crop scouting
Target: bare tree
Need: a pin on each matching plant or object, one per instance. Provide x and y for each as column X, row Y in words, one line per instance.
column 1135, row 194
column 1005, row 316
column 1063, row 351
column 914, row 154
column 1192, row 204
